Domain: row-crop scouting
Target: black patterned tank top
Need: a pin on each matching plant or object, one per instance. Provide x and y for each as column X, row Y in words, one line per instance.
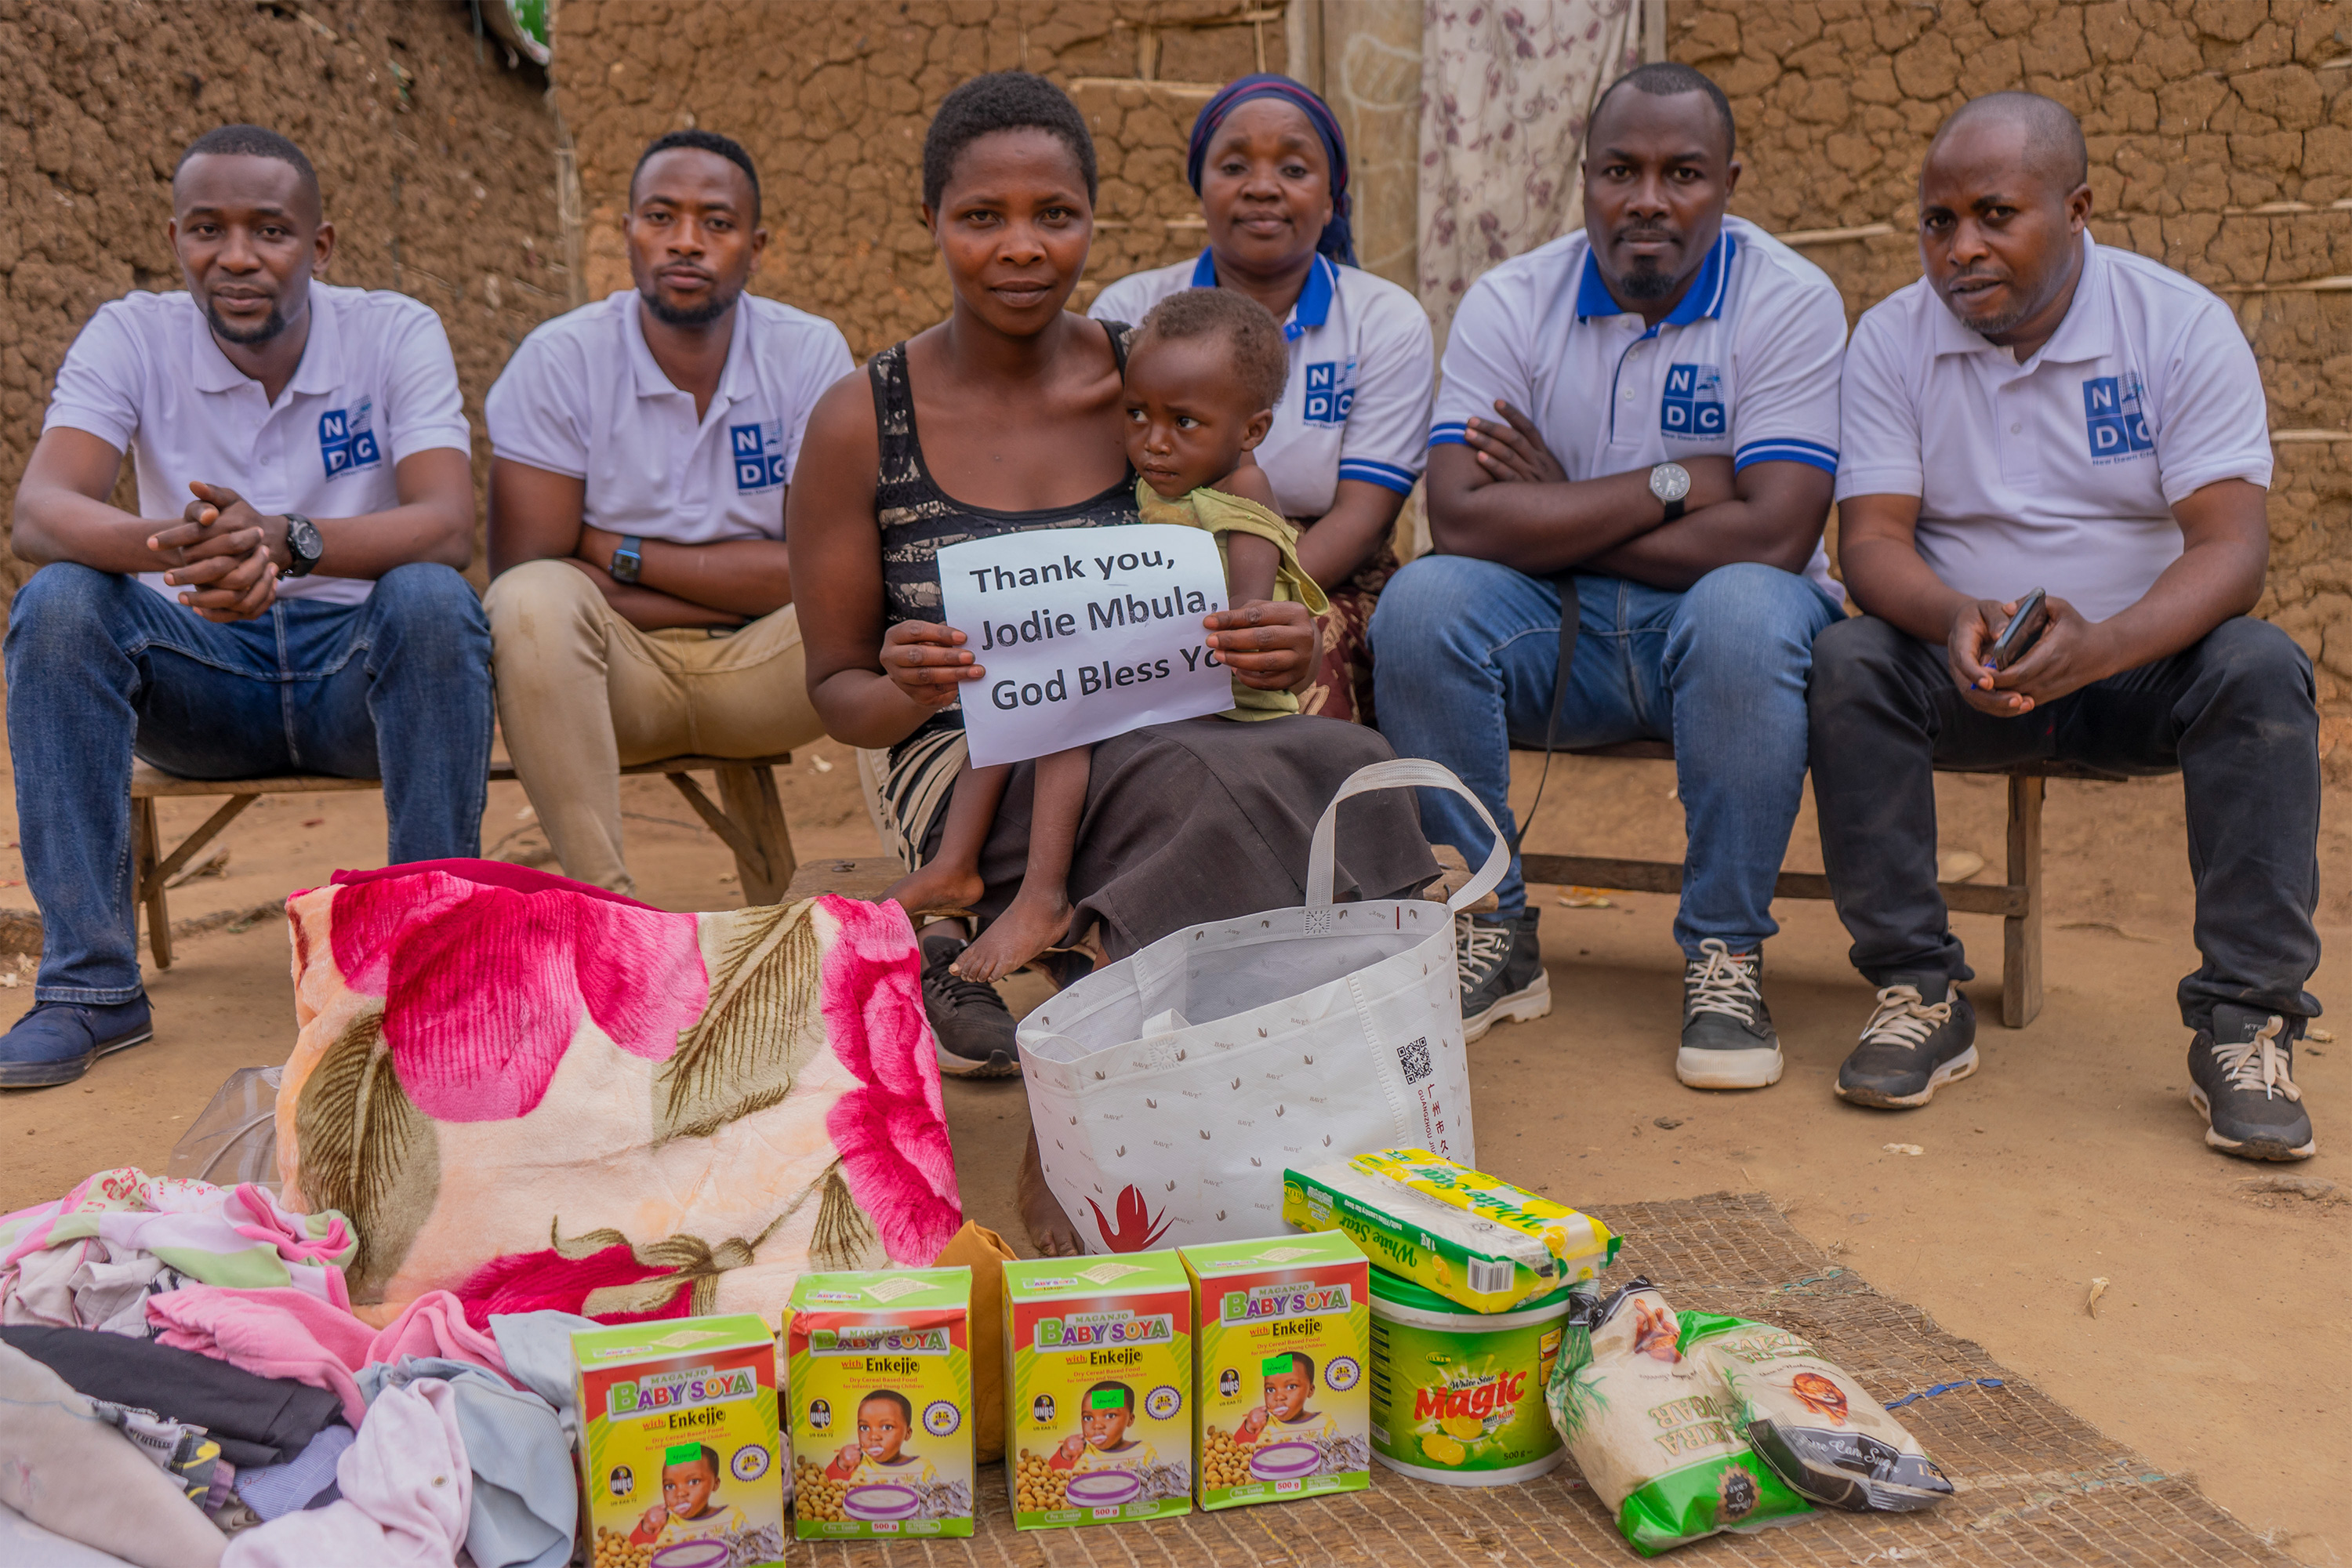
column 918, row 518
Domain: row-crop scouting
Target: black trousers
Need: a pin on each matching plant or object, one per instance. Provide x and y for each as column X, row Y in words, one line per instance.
column 2234, row 715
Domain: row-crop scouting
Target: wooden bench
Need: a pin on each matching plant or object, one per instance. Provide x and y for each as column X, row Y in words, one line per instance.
column 2017, row 901
column 748, row 816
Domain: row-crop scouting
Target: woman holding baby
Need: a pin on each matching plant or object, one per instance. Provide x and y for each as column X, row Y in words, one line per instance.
column 1011, row 416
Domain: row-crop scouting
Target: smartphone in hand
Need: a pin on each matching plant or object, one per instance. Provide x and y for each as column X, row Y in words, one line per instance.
column 2024, row 629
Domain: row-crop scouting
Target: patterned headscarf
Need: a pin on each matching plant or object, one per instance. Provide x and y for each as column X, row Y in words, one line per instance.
column 1337, row 241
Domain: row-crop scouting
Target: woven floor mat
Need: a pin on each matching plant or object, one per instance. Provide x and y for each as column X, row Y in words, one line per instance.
column 2039, row 1485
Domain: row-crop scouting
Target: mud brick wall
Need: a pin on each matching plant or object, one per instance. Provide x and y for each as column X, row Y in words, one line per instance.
column 438, row 167
column 2221, row 137
column 832, row 98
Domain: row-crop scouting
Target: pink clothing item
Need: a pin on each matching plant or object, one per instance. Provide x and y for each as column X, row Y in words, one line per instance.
column 284, row 1333
column 407, row 1489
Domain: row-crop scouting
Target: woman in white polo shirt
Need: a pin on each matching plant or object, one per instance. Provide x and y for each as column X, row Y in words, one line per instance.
column 1351, row 433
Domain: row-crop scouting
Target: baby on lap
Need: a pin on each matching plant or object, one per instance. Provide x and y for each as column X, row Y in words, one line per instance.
column 1204, row 372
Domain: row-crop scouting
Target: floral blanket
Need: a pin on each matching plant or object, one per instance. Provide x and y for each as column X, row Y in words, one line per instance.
column 533, row 1093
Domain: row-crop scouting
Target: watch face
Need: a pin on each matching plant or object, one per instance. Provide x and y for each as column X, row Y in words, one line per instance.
column 1670, row 481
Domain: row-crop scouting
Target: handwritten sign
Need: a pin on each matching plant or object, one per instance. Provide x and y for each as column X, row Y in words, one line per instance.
column 1084, row 634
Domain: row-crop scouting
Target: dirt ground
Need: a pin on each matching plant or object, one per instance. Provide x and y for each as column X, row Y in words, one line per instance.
column 2217, row 1350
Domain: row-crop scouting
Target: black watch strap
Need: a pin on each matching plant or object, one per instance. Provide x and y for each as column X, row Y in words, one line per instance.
column 303, row 545
column 1676, row 508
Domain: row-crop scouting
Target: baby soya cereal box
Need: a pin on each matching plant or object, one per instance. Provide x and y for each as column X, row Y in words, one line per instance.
column 679, row 1443
column 1283, row 1345
column 1098, row 1389
column 878, row 1382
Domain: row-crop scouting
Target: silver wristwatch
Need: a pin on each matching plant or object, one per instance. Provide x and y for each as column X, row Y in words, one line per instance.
column 303, row 545
column 1670, row 482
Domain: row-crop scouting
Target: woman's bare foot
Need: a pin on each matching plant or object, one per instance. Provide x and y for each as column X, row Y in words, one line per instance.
column 937, row 888
column 1050, row 1231
column 1035, row 921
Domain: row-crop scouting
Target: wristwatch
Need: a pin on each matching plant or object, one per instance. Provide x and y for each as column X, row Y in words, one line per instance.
column 1670, row 482
column 629, row 559
column 303, row 544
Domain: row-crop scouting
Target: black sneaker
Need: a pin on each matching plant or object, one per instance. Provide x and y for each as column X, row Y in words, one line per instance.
column 973, row 1026
column 1501, row 971
column 2241, row 1076
column 1911, row 1048
column 1728, row 1038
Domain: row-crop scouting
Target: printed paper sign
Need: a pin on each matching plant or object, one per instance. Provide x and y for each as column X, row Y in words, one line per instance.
column 1084, row 634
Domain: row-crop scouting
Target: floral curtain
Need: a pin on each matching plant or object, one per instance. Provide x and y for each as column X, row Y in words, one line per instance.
column 1505, row 92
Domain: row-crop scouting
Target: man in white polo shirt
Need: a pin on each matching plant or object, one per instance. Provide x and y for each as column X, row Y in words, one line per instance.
column 305, row 500
column 1645, row 412
column 2042, row 412
column 642, row 606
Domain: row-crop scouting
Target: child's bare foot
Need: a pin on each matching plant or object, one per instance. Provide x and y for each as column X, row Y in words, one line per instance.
column 937, row 888
column 1035, row 921
column 1050, row 1230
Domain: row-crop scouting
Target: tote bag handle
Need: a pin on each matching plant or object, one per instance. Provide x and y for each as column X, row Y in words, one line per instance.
column 1403, row 772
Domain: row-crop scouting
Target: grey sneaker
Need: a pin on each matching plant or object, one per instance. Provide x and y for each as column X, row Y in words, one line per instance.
column 1727, row 1037
column 2241, row 1076
column 1911, row 1048
column 1502, row 973
column 972, row 1026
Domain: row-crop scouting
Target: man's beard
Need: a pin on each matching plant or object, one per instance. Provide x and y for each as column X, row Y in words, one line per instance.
column 701, row 315
column 1994, row 326
column 1647, row 281
column 246, row 337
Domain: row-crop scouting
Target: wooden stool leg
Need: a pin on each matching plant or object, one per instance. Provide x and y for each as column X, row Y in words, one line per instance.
column 2021, row 935
column 748, row 794
column 146, row 885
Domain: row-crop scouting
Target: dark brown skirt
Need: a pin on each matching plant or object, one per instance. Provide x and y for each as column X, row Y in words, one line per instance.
column 1208, row 819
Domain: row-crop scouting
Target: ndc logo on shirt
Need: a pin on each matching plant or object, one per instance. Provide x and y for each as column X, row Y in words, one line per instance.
column 1693, row 408
column 2117, row 417
column 345, row 442
column 759, row 452
column 1330, row 393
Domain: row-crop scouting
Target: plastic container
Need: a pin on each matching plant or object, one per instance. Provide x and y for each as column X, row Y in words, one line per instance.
column 1458, row 1395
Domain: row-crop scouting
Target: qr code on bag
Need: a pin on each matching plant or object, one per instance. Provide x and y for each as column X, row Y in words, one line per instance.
column 1414, row 1057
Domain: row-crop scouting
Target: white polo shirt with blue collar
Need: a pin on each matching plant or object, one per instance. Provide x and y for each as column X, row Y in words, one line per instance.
column 376, row 382
column 583, row 397
column 1744, row 366
column 1361, row 364
column 2060, row 473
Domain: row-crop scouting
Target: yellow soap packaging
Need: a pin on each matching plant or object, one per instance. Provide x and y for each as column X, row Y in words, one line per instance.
column 1473, row 1238
column 1284, row 1345
column 679, row 1443
column 1098, row 1389
column 878, row 1385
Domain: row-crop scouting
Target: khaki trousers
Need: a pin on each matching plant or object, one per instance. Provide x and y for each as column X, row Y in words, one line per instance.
column 582, row 693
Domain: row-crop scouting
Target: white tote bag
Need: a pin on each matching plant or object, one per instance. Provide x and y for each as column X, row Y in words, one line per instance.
column 1169, row 1090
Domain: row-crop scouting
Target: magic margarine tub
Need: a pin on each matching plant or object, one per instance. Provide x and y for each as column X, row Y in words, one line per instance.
column 1458, row 1395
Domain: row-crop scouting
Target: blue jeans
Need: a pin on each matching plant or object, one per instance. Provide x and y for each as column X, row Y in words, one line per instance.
column 100, row 665
column 1465, row 654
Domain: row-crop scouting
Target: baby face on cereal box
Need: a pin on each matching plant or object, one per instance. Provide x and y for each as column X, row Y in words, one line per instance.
column 879, row 1389
column 1099, row 1378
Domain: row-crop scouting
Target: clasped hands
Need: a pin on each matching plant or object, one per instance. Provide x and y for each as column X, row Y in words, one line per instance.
column 1269, row 645
column 2069, row 654
column 227, row 555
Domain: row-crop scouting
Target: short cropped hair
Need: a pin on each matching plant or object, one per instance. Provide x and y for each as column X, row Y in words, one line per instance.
column 250, row 142
column 1002, row 101
column 1301, row 1361
column 1672, row 78
column 1126, row 1394
column 709, row 1456
column 726, row 147
column 892, row 1396
column 2053, row 137
column 1261, row 359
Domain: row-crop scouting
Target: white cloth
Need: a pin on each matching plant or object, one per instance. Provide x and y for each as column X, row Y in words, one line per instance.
column 23, row 1541
column 583, row 397
column 67, row 1470
column 406, row 1491
column 1745, row 367
column 2062, row 472
column 1362, row 369
column 376, row 384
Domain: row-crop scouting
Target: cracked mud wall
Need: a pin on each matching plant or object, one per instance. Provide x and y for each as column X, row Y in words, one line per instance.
column 436, row 160
column 2220, row 137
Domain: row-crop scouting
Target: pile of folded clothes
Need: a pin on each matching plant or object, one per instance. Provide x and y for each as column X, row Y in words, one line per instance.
column 186, row 1384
